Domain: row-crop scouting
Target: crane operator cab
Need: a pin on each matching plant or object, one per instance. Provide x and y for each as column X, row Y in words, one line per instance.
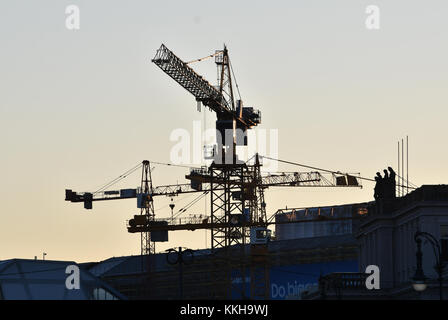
column 260, row 235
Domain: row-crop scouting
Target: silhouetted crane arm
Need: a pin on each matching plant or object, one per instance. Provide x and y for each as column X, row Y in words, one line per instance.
column 291, row 179
column 191, row 225
column 294, row 179
column 166, row 190
column 201, row 89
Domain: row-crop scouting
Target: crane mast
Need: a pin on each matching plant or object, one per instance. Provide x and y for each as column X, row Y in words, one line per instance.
column 146, row 204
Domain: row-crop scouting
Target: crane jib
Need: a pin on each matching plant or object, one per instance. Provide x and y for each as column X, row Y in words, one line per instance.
column 201, row 89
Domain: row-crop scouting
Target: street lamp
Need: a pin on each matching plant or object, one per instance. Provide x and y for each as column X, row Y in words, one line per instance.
column 419, row 279
column 180, row 258
column 172, row 205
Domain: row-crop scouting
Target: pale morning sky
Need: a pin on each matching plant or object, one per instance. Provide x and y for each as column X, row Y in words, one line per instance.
column 78, row 108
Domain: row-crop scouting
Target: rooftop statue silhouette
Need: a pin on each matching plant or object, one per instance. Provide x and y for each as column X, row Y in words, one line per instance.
column 386, row 175
column 392, row 183
column 378, row 186
column 385, row 186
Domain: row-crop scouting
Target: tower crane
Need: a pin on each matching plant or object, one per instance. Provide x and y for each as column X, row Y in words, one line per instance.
column 236, row 188
column 230, row 115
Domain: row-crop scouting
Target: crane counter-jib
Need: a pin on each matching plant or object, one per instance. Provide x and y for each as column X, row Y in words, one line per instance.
column 152, row 227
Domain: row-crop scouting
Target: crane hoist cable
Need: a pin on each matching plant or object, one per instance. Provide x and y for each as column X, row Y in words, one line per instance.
column 230, row 63
column 236, row 83
column 120, row 177
column 248, row 160
column 189, row 205
column 404, row 180
column 183, row 199
column 310, row 167
column 204, row 58
column 173, row 165
column 135, row 168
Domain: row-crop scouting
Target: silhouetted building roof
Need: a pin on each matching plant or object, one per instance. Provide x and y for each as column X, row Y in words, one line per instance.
column 22, row 279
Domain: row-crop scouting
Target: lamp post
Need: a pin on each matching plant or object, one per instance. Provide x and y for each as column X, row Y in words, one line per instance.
column 419, row 279
column 172, row 205
column 179, row 258
column 333, row 281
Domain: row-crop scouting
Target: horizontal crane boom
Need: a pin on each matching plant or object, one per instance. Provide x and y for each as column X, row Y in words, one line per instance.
column 294, row 179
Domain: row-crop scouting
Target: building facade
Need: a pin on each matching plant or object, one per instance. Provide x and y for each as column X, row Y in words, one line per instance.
column 293, row 266
column 386, row 238
column 23, row 279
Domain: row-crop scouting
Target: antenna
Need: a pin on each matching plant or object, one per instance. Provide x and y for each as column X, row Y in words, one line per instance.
column 399, row 175
column 402, row 170
column 402, row 166
column 407, row 164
